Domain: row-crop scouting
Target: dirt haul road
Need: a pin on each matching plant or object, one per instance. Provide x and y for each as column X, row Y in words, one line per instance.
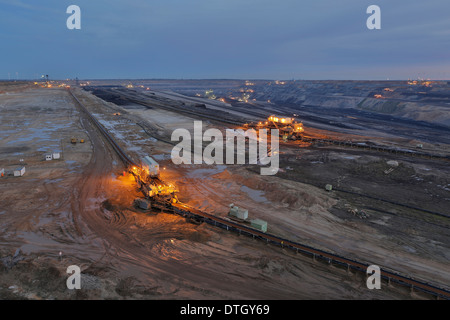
column 79, row 212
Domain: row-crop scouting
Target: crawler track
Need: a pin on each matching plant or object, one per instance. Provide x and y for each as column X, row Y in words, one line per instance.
column 331, row 258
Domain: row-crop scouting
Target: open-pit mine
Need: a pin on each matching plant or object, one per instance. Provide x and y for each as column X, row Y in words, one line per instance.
column 88, row 179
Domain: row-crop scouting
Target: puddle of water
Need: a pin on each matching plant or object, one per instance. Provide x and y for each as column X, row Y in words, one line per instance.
column 255, row 195
column 49, row 148
column 206, row 172
column 134, row 148
column 409, row 249
column 35, row 242
column 53, row 180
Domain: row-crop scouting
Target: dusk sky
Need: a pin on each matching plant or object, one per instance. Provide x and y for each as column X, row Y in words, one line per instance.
column 233, row 39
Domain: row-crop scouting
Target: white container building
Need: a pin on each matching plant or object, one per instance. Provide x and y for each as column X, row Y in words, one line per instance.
column 237, row 212
column 150, row 166
column 19, row 172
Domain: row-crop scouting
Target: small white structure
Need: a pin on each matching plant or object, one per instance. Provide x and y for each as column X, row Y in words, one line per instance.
column 48, row 157
column 150, row 166
column 56, row 155
column 237, row 212
column 19, row 172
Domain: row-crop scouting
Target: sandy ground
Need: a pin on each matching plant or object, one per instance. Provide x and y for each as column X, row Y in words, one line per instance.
column 81, row 206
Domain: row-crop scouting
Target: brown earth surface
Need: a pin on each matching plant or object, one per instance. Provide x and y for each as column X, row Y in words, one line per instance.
column 79, row 211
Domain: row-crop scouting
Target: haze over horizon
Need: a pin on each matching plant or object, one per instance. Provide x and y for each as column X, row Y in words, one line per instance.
column 212, row 39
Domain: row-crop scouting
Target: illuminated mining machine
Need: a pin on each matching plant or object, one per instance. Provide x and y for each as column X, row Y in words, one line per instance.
column 289, row 128
column 148, row 180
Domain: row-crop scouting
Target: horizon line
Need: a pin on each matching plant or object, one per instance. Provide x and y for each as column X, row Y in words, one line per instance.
column 218, row 79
